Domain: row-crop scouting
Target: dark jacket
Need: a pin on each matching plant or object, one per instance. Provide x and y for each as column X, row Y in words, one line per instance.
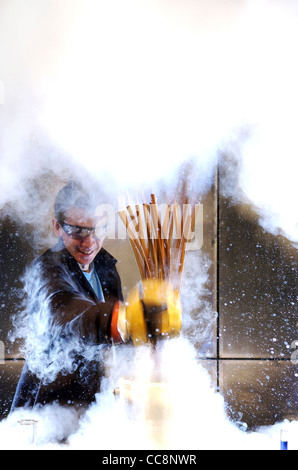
column 67, row 365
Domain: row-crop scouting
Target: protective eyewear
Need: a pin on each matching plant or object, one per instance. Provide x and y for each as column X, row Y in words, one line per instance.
column 80, row 233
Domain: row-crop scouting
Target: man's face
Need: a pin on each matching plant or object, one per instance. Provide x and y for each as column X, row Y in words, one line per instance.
column 82, row 248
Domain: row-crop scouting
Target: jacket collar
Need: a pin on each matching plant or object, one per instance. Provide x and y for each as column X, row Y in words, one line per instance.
column 103, row 258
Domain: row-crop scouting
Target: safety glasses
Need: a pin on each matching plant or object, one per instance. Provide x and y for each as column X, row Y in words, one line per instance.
column 80, row 233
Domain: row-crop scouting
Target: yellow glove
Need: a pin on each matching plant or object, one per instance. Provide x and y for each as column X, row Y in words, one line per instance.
column 152, row 311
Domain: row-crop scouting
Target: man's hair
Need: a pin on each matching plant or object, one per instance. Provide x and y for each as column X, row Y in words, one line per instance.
column 72, row 195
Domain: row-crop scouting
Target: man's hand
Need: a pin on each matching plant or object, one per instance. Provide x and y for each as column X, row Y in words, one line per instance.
column 152, row 311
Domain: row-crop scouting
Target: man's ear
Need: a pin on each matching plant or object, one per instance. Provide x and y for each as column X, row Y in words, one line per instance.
column 56, row 227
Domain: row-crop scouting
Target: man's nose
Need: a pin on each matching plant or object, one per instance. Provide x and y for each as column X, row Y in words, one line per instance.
column 89, row 240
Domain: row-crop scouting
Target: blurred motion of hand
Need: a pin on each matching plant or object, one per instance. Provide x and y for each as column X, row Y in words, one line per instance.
column 152, row 311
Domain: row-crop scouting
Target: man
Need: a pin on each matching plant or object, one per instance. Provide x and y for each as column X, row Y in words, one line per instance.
column 74, row 309
column 72, row 290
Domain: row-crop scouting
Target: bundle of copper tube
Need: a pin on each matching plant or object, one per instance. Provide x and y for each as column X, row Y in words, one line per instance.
column 159, row 240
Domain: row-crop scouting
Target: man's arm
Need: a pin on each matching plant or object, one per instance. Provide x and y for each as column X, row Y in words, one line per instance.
column 68, row 305
column 78, row 315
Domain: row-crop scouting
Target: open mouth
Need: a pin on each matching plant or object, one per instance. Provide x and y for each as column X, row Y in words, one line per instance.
column 85, row 253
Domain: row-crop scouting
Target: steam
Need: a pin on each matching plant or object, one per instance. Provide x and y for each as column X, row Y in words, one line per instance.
column 266, row 155
column 196, row 306
column 196, row 416
column 122, row 93
column 126, row 92
column 45, row 347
